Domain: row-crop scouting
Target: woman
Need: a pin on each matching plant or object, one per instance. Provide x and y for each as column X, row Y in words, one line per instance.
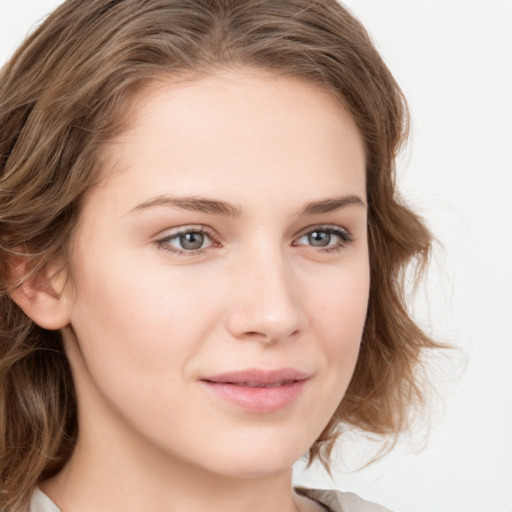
column 202, row 255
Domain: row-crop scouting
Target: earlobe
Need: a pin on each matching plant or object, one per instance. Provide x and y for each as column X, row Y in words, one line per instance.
column 42, row 295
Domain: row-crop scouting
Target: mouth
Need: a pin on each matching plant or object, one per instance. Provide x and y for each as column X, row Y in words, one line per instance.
column 260, row 384
column 259, row 391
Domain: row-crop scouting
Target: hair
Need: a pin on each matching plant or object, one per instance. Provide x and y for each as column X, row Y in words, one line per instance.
column 63, row 95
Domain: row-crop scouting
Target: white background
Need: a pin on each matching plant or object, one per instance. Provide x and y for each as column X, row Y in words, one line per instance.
column 453, row 59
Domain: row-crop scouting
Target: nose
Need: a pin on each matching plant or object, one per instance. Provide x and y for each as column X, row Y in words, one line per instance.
column 266, row 301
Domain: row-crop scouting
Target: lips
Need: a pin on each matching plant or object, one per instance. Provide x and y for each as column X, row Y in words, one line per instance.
column 256, row 390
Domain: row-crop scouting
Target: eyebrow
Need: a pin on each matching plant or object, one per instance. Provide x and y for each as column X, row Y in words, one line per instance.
column 332, row 204
column 194, row 204
column 213, row 206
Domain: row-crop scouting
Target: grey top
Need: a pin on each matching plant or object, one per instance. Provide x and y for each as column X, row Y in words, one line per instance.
column 333, row 501
column 337, row 501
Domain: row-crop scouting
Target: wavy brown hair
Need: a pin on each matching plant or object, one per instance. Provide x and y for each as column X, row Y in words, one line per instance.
column 63, row 95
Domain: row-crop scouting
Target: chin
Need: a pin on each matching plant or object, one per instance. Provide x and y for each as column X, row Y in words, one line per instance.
column 253, row 460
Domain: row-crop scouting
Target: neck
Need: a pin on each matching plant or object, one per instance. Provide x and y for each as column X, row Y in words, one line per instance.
column 131, row 482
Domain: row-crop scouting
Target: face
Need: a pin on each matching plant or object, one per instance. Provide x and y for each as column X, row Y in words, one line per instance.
column 220, row 274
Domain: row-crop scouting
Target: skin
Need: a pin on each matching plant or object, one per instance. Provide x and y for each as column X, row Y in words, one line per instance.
column 143, row 325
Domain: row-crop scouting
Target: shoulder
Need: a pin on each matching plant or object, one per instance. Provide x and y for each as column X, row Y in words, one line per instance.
column 337, row 501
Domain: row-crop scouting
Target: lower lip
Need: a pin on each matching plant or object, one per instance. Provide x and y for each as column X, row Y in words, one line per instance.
column 261, row 400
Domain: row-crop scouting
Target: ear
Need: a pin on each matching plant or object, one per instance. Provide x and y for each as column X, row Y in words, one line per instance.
column 41, row 296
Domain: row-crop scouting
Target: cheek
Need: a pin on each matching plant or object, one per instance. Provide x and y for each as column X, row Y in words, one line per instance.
column 336, row 319
column 337, row 314
column 124, row 319
column 135, row 339
column 344, row 319
column 127, row 299
column 139, row 328
column 339, row 307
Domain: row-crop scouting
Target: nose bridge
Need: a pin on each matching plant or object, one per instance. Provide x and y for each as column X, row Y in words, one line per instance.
column 266, row 304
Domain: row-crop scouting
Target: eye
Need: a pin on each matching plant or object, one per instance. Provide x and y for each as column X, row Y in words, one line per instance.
column 326, row 238
column 188, row 241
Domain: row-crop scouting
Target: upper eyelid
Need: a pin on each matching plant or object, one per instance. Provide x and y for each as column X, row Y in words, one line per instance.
column 325, row 227
column 193, row 228
column 201, row 228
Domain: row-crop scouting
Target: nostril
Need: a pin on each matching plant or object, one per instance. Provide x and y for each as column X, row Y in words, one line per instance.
column 256, row 334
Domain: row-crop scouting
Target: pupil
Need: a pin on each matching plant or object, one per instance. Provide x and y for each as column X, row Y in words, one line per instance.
column 319, row 238
column 192, row 241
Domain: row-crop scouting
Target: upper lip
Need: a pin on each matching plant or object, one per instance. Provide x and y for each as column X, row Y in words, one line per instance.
column 259, row 376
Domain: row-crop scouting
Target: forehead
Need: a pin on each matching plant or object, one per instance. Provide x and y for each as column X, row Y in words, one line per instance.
column 236, row 128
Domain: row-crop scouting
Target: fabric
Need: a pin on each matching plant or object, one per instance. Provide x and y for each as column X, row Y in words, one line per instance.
column 41, row 503
column 333, row 501
column 337, row 501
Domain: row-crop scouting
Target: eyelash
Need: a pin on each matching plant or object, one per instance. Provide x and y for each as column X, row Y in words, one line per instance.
column 164, row 243
column 344, row 236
